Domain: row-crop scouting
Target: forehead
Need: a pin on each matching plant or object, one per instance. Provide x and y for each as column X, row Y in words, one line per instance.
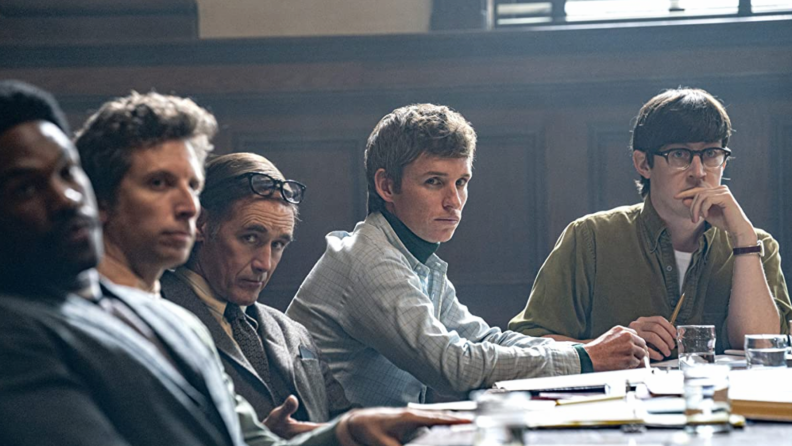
column 34, row 145
column 175, row 156
column 430, row 164
column 253, row 211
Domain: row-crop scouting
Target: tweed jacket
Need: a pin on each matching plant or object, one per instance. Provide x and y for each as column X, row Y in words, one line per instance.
column 295, row 355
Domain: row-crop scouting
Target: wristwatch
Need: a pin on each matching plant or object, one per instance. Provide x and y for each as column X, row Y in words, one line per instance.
column 758, row 249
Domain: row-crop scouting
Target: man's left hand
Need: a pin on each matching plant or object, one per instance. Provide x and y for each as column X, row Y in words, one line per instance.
column 280, row 422
column 387, row 426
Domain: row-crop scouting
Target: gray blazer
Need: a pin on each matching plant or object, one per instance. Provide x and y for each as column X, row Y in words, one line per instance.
column 70, row 374
column 296, row 356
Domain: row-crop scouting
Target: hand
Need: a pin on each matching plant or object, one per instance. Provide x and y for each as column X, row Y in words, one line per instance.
column 387, row 426
column 619, row 348
column 280, row 422
column 658, row 333
column 718, row 206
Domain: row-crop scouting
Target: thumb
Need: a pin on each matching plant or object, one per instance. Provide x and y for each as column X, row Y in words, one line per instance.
column 286, row 409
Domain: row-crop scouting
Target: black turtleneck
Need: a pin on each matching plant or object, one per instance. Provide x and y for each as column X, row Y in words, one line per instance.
column 418, row 247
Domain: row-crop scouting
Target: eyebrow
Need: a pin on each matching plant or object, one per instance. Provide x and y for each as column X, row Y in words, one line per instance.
column 263, row 229
column 441, row 174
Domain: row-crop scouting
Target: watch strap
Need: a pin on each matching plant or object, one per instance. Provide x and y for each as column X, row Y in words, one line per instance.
column 756, row 249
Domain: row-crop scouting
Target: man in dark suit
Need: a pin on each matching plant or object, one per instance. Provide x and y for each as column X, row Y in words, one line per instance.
column 89, row 364
column 247, row 220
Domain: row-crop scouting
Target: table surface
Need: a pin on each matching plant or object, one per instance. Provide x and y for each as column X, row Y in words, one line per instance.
column 754, row 434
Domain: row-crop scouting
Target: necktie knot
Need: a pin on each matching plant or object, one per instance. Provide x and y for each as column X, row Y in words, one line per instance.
column 233, row 312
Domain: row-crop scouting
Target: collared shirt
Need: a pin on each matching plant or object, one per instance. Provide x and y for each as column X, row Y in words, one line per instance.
column 204, row 292
column 612, row 267
column 120, row 274
column 390, row 325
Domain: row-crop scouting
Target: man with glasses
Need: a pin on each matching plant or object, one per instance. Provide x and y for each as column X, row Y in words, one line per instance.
column 688, row 250
column 248, row 211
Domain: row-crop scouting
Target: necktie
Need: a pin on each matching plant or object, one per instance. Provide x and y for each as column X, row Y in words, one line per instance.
column 248, row 340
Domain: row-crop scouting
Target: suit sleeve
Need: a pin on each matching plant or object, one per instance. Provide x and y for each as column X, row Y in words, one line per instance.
column 42, row 402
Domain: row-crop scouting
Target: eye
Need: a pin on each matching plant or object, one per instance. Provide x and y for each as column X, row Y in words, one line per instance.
column 711, row 153
column 279, row 245
column 679, row 154
column 67, row 173
column 433, row 181
column 196, row 186
column 25, row 190
column 157, row 183
column 250, row 239
column 462, row 182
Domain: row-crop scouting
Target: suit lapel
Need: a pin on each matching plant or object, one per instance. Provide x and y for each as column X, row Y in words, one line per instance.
column 180, row 293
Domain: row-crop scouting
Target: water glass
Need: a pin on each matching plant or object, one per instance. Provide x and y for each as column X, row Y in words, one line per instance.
column 707, row 406
column 696, row 345
column 765, row 351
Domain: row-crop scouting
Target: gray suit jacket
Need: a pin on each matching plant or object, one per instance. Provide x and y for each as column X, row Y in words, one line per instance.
column 295, row 355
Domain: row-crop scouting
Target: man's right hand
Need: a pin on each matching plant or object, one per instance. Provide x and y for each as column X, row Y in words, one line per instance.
column 658, row 333
column 618, row 348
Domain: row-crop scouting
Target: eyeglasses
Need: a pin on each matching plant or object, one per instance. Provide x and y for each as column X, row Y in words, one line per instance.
column 263, row 184
column 682, row 158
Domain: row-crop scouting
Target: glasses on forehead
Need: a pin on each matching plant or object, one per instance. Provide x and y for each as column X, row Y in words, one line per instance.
column 681, row 159
column 263, row 184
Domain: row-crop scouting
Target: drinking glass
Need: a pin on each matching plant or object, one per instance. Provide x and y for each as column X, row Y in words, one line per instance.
column 696, row 345
column 765, row 351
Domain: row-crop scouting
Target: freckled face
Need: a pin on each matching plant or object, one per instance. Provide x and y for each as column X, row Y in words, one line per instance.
column 241, row 257
column 433, row 194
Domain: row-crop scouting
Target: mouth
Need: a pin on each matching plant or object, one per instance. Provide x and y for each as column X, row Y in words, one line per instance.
column 448, row 220
column 252, row 284
column 177, row 237
column 79, row 229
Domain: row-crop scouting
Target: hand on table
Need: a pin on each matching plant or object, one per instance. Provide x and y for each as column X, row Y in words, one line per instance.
column 618, row 348
column 659, row 334
column 387, row 426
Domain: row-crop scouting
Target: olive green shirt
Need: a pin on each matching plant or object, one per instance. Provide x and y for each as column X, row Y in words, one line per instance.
column 612, row 267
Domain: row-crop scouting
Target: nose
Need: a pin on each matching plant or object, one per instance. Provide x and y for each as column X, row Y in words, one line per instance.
column 453, row 198
column 262, row 262
column 696, row 168
column 67, row 195
column 186, row 203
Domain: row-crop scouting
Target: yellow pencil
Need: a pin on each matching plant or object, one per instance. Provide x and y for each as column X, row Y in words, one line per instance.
column 676, row 310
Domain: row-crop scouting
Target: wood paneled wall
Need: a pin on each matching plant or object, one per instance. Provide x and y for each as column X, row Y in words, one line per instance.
column 552, row 106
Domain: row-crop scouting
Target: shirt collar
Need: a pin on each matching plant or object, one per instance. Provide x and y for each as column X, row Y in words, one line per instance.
column 203, row 290
column 377, row 220
column 417, row 246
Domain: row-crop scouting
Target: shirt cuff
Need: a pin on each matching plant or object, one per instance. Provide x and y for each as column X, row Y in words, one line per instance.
column 585, row 360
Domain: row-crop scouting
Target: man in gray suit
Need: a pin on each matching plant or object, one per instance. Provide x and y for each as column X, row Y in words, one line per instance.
column 246, row 222
column 90, row 364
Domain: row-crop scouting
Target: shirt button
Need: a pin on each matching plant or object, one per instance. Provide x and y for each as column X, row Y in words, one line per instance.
column 669, row 268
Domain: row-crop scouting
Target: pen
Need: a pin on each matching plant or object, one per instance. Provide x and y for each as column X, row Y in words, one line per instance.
column 646, row 362
column 676, row 310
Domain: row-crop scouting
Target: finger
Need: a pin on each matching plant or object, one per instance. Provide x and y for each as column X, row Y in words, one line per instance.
column 657, row 342
column 286, row 409
column 694, row 208
column 667, row 328
column 655, row 355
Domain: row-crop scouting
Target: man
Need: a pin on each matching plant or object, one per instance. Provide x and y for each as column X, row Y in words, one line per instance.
column 246, row 221
column 145, row 155
column 378, row 302
column 633, row 265
column 84, row 364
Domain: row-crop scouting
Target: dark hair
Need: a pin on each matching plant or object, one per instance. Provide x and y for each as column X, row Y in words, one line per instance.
column 136, row 122
column 680, row 115
column 407, row 132
column 21, row 102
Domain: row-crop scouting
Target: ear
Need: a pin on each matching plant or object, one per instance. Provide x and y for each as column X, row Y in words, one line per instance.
column 201, row 226
column 384, row 185
column 641, row 164
column 103, row 214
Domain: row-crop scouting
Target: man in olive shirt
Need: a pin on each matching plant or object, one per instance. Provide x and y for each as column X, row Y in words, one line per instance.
column 631, row 265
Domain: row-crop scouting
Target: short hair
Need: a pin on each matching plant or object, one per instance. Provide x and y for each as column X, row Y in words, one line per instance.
column 138, row 122
column 408, row 132
column 21, row 102
column 680, row 115
column 225, row 184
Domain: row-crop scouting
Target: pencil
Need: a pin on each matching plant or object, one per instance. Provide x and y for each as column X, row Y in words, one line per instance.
column 676, row 310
